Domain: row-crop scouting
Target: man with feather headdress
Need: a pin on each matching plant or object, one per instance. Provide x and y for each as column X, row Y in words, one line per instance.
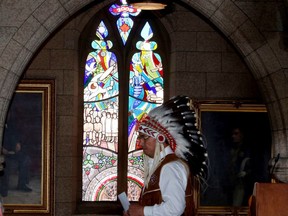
column 175, row 157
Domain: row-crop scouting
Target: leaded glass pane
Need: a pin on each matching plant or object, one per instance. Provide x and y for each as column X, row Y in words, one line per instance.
column 101, row 107
column 99, row 174
column 124, row 22
column 100, row 127
column 145, row 93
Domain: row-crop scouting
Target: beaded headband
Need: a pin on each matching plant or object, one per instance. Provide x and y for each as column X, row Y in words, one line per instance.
column 153, row 129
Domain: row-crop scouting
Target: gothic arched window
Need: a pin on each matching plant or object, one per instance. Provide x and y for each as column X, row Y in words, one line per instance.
column 123, row 80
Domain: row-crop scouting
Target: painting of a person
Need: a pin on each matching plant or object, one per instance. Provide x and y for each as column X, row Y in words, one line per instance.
column 175, row 157
column 15, row 158
column 240, row 168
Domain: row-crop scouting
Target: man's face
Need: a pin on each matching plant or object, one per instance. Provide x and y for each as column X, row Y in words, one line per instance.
column 148, row 143
column 237, row 135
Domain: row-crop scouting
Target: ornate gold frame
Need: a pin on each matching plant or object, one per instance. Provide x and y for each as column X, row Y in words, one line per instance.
column 45, row 88
column 223, row 106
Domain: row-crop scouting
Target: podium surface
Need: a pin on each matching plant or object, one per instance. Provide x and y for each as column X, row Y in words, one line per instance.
column 269, row 199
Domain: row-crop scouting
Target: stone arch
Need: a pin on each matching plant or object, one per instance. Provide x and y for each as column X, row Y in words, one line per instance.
column 42, row 19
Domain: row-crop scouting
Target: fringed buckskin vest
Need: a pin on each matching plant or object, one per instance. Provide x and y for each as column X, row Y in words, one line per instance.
column 152, row 195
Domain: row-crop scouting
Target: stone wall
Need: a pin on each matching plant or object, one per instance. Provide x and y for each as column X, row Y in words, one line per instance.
column 221, row 49
column 203, row 65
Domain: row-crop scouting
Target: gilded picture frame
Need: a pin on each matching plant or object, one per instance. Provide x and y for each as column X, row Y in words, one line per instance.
column 217, row 120
column 30, row 122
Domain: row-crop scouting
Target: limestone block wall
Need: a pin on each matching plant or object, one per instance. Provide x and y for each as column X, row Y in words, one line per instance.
column 203, row 65
column 58, row 60
column 39, row 39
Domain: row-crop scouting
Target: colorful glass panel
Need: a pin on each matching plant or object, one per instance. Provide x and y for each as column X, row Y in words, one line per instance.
column 101, row 108
column 145, row 93
column 100, row 127
column 124, row 23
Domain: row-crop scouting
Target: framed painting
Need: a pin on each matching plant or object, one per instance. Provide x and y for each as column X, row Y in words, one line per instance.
column 26, row 185
column 238, row 139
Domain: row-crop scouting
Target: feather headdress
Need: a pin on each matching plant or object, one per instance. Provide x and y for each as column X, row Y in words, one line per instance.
column 175, row 121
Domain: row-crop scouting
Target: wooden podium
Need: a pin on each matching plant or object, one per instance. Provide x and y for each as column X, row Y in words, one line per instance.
column 269, row 199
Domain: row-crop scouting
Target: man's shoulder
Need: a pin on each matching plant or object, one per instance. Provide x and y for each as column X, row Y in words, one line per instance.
column 176, row 168
column 172, row 160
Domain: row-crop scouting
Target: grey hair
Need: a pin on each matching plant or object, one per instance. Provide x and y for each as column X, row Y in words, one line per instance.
column 148, row 171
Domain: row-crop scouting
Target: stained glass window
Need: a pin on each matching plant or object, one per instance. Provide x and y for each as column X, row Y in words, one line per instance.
column 145, row 93
column 143, row 75
column 100, row 128
column 124, row 23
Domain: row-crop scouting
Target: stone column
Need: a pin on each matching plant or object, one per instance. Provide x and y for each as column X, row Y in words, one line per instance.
column 281, row 170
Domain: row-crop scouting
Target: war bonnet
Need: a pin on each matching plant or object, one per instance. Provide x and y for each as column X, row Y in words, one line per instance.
column 175, row 122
